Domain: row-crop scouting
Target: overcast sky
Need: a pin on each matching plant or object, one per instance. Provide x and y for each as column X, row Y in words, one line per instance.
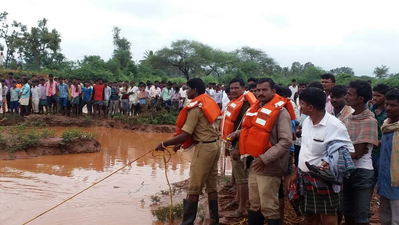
column 357, row 34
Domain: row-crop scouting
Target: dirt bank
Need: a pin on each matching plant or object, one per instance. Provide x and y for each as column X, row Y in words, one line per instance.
column 53, row 146
column 226, row 196
column 57, row 121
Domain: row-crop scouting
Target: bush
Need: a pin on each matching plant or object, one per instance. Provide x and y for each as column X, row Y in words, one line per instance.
column 162, row 213
column 70, row 135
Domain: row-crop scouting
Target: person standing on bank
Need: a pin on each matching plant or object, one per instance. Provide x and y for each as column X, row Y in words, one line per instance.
column 232, row 119
column 388, row 179
column 195, row 127
column 265, row 140
column 318, row 202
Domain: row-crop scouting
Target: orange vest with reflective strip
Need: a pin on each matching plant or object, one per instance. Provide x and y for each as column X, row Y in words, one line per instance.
column 232, row 111
column 209, row 107
column 258, row 123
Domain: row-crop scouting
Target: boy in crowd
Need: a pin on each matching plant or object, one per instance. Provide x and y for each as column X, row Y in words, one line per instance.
column 24, row 100
column 378, row 108
column 63, row 95
column 86, row 98
column 14, row 97
column 75, row 97
column 114, row 99
column 388, row 179
column 107, row 95
column 363, row 131
column 98, row 96
column 43, row 97
column 51, row 93
column 36, row 94
column 4, row 91
column 133, row 99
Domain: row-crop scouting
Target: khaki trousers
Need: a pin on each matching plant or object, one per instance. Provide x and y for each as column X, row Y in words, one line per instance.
column 263, row 194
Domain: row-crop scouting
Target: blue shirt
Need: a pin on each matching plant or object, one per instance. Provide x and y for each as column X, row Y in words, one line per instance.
column 384, row 176
column 86, row 93
column 25, row 90
column 63, row 89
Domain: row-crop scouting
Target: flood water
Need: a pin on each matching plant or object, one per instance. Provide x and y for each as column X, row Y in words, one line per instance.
column 28, row 187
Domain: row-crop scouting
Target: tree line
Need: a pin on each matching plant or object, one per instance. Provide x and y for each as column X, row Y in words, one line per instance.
column 182, row 60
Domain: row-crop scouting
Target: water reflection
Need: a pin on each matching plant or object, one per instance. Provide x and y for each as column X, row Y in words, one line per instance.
column 30, row 186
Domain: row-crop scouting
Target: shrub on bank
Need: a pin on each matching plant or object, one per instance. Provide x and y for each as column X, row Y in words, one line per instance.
column 20, row 137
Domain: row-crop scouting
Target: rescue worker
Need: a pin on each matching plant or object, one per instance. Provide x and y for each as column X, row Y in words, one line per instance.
column 195, row 127
column 265, row 139
column 233, row 114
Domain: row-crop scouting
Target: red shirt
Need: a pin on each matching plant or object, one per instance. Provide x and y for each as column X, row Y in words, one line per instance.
column 98, row 92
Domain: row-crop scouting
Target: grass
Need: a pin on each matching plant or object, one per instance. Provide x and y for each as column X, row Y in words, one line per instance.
column 162, row 213
column 72, row 134
column 21, row 137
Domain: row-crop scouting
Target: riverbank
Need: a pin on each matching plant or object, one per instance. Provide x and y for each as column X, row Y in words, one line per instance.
column 120, row 122
column 226, row 196
column 53, row 146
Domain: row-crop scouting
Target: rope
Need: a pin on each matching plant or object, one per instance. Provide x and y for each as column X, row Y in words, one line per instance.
column 97, row 182
column 242, row 222
column 165, row 161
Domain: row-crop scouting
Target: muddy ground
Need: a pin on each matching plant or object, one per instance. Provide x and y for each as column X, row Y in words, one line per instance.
column 226, row 196
column 63, row 121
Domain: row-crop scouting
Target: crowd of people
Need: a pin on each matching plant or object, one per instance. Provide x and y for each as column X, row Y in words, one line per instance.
column 324, row 146
column 100, row 99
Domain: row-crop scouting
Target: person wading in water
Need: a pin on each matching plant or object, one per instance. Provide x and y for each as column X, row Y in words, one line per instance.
column 195, row 127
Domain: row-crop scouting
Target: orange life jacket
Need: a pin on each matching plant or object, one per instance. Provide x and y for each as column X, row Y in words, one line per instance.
column 208, row 106
column 231, row 112
column 258, row 123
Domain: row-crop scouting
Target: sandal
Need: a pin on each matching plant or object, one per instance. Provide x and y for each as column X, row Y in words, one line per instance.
column 325, row 175
column 236, row 214
column 230, row 205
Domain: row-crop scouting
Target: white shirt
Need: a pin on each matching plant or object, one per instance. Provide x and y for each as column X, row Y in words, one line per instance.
column 36, row 93
column 315, row 139
column 107, row 93
column 225, row 100
column 293, row 91
column 154, row 92
column 133, row 94
column 1, row 91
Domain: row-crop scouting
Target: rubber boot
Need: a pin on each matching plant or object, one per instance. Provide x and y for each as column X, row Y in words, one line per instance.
column 274, row 222
column 214, row 212
column 255, row 218
column 189, row 212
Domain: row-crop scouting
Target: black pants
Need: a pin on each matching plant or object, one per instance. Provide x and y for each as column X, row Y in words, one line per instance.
column 8, row 97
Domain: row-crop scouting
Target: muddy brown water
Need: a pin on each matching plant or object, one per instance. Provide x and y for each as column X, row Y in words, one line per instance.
column 28, row 187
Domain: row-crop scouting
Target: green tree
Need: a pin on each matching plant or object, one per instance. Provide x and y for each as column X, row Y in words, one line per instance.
column 40, row 40
column 296, row 69
column 13, row 40
column 342, row 70
column 189, row 57
column 255, row 62
column 381, row 72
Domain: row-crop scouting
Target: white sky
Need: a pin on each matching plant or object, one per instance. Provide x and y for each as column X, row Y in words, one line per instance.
column 330, row 34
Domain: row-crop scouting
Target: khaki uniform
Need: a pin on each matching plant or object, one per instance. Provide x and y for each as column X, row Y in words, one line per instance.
column 264, row 185
column 204, row 163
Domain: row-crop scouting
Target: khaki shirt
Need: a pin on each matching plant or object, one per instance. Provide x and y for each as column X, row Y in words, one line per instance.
column 198, row 126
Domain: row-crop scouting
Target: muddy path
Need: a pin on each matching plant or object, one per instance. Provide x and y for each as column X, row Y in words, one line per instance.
column 36, row 120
